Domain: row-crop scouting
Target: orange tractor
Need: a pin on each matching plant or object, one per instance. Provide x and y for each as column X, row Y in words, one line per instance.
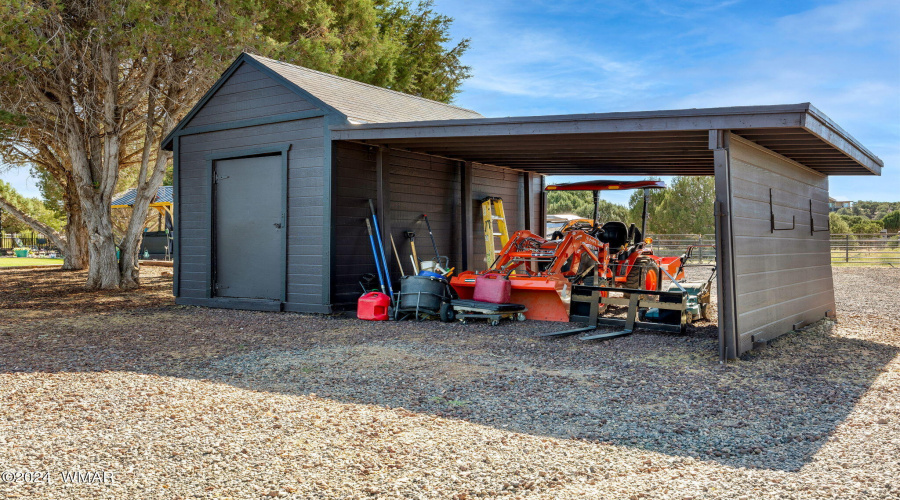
column 542, row 271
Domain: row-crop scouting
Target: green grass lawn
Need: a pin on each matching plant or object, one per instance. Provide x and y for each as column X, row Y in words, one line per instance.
column 26, row 261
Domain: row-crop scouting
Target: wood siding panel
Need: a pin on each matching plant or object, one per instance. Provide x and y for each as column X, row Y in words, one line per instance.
column 305, row 212
column 416, row 184
column 422, row 184
column 781, row 278
column 494, row 181
column 354, row 184
column 247, row 94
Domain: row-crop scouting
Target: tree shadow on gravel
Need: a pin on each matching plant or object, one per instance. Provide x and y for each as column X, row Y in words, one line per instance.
column 668, row 394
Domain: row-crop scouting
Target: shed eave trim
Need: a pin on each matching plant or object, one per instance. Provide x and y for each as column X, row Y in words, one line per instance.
column 825, row 129
column 580, row 117
column 252, row 122
column 567, row 125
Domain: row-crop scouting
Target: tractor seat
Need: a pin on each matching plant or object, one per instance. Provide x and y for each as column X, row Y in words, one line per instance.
column 615, row 234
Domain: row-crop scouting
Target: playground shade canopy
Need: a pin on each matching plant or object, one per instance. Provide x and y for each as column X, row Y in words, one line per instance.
column 605, row 185
column 163, row 198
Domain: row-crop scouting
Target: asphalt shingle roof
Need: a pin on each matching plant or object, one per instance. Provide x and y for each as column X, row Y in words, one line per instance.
column 363, row 102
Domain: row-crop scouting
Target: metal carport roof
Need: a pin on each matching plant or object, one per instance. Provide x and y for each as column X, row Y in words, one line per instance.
column 672, row 142
column 126, row 199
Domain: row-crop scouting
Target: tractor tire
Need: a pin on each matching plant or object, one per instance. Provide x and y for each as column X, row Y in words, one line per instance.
column 589, row 281
column 637, row 275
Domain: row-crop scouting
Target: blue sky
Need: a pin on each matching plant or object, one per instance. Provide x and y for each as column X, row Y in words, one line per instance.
column 553, row 57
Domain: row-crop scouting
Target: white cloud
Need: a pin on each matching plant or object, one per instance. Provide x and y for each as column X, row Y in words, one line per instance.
column 856, row 22
column 689, row 9
column 539, row 65
column 844, row 57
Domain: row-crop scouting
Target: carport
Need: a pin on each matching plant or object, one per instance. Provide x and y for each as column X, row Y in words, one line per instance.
column 275, row 166
column 771, row 165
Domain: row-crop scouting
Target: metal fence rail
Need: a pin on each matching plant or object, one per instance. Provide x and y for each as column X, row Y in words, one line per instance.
column 670, row 245
column 869, row 249
column 8, row 241
column 846, row 249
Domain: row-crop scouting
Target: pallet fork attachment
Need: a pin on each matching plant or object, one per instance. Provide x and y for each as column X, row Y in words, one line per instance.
column 588, row 300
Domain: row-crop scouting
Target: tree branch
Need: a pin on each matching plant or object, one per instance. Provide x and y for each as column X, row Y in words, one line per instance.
column 58, row 240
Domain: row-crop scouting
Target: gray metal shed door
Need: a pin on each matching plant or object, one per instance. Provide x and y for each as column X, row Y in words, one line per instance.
column 249, row 226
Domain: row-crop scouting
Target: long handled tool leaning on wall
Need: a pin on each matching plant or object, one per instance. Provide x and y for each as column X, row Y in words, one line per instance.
column 375, row 254
column 411, row 236
column 439, row 260
column 383, row 262
column 397, row 254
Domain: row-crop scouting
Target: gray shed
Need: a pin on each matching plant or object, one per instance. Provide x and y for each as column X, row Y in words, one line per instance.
column 274, row 167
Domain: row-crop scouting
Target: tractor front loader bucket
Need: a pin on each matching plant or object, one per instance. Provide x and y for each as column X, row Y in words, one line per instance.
column 546, row 297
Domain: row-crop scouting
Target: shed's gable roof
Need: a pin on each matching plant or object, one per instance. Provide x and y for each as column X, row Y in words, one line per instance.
column 362, row 102
column 342, row 97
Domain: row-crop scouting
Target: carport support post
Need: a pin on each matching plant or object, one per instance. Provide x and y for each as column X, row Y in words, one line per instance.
column 718, row 142
column 467, row 222
column 644, row 213
column 531, row 205
column 542, row 219
column 383, row 205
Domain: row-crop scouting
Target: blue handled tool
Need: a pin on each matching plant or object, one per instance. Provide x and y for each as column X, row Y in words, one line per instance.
column 375, row 254
column 384, row 264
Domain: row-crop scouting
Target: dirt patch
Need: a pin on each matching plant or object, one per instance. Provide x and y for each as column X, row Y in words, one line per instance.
column 63, row 292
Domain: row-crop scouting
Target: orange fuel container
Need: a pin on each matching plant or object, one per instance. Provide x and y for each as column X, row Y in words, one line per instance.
column 373, row 306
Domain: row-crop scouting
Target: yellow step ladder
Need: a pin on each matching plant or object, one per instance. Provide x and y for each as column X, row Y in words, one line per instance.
column 492, row 211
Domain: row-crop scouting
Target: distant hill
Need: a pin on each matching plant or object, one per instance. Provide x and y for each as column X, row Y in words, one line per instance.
column 872, row 210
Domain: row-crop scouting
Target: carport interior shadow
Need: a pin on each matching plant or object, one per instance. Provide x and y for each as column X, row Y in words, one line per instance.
column 658, row 392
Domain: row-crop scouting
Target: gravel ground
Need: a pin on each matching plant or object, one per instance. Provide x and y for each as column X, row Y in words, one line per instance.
column 183, row 402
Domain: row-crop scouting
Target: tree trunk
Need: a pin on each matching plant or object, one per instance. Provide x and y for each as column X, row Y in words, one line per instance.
column 76, row 253
column 129, row 267
column 95, row 197
column 104, row 270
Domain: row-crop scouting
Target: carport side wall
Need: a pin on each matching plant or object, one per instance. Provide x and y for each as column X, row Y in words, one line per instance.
column 782, row 278
column 416, row 184
column 305, row 210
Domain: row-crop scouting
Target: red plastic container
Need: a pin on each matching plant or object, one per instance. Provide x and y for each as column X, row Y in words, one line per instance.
column 373, row 306
column 493, row 288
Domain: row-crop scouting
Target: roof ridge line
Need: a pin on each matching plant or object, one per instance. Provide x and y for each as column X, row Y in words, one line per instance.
column 256, row 56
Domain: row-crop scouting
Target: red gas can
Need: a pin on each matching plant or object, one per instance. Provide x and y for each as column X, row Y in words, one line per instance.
column 373, row 306
column 494, row 288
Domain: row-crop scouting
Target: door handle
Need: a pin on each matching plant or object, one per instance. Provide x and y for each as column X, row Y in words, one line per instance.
column 277, row 225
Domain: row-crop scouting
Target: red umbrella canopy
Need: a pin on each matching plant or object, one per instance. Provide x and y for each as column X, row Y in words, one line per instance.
column 606, row 185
